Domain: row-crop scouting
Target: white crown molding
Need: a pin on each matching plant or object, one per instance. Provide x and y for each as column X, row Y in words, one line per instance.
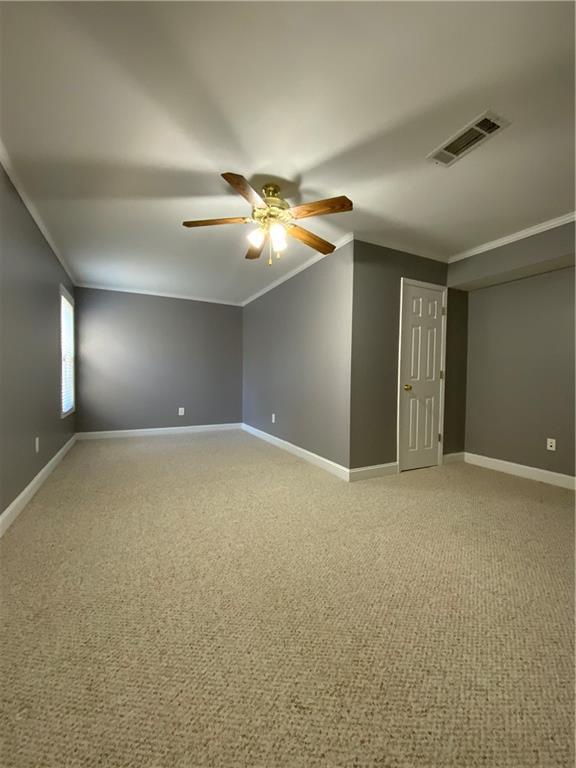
column 289, row 275
column 312, row 260
column 156, row 431
column 184, row 297
column 522, row 470
column 13, row 510
column 523, row 233
column 31, row 208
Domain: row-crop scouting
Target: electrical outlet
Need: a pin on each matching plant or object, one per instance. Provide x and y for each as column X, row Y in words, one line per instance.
column 550, row 444
column 273, row 418
column 181, row 411
column 37, row 444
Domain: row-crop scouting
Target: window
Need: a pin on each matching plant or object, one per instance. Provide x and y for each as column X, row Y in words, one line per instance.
column 67, row 351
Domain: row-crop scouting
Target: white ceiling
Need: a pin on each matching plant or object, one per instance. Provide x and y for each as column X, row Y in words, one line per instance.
column 119, row 117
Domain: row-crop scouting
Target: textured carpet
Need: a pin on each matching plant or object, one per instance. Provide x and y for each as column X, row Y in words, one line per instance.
column 212, row 601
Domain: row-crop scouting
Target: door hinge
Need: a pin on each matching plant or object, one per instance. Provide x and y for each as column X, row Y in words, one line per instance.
column 443, row 310
column 439, row 438
column 441, row 374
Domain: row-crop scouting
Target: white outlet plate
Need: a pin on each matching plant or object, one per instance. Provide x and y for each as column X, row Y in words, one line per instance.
column 181, row 411
column 37, row 444
column 550, row 443
column 273, row 418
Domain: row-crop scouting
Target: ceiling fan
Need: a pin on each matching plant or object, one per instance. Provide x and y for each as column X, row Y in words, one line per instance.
column 275, row 218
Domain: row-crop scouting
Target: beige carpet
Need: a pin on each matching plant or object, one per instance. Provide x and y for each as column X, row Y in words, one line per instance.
column 213, row 601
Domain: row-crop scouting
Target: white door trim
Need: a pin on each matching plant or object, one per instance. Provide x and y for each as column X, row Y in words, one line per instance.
column 444, row 290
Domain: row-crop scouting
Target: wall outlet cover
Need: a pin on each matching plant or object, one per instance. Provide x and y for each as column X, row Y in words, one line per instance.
column 273, row 418
column 181, row 411
column 37, row 444
column 550, row 443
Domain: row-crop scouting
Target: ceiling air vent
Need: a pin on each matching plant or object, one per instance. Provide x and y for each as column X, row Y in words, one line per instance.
column 474, row 134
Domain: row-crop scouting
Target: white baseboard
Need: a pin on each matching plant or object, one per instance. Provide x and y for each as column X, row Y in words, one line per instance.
column 156, row 431
column 11, row 512
column 521, row 470
column 313, row 458
column 359, row 473
column 451, row 458
column 376, row 470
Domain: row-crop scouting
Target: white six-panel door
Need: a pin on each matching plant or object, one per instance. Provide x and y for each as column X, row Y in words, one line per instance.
column 421, row 375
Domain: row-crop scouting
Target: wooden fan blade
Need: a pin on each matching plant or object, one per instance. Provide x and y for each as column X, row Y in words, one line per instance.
column 309, row 238
column 322, row 207
column 211, row 222
column 253, row 252
column 241, row 186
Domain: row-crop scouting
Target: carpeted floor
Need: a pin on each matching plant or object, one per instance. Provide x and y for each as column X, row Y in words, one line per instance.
column 212, row 601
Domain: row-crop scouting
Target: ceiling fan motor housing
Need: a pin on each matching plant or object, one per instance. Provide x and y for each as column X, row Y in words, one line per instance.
column 277, row 210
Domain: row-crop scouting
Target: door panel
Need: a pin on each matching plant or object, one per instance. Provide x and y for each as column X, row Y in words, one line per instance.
column 422, row 329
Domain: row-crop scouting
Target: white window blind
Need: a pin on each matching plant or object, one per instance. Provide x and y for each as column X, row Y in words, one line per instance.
column 67, row 351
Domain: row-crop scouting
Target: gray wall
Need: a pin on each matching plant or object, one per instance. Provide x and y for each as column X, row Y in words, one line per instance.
column 142, row 357
column 297, row 342
column 30, row 278
column 320, row 351
column 521, row 371
column 375, row 330
column 456, row 356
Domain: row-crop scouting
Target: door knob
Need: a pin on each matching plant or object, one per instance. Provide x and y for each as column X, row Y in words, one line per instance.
column 407, row 387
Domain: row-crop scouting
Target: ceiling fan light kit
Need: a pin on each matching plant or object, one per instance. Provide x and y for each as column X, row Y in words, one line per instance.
column 275, row 218
column 273, row 221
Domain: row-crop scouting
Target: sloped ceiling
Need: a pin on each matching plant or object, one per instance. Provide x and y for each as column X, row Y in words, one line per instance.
column 117, row 119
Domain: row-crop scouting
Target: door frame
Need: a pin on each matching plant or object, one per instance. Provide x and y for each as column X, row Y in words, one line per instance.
column 444, row 291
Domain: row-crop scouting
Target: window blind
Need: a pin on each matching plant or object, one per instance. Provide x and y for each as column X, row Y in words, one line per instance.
column 67, row 351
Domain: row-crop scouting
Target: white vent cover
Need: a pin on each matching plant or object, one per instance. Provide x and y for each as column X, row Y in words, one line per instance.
column 475, row 133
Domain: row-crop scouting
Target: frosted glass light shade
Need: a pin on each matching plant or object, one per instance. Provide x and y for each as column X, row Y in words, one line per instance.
column 256, row 237
column 278, row 237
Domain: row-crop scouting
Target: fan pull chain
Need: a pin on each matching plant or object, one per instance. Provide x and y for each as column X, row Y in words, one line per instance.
column 270, row 252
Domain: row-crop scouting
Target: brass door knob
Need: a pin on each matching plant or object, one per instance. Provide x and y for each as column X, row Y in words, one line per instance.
column 407, row 387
